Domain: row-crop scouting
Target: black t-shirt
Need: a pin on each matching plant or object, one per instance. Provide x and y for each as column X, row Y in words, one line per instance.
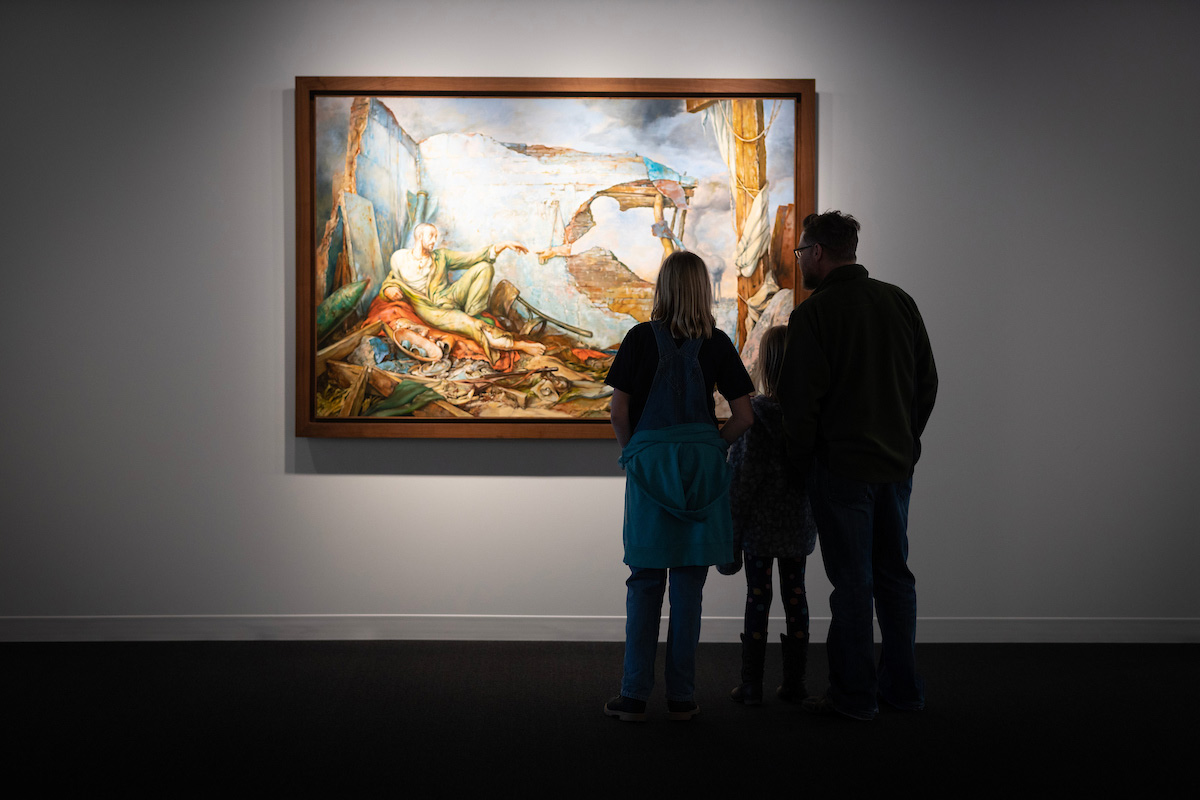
column 633, row 369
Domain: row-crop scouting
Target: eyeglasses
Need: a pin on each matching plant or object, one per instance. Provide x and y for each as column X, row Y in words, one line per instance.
column 799, row 249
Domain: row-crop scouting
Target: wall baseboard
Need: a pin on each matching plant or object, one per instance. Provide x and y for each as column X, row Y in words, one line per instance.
column 948, row 630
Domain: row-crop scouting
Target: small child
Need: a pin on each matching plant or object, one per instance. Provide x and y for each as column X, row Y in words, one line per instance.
column 772, row 521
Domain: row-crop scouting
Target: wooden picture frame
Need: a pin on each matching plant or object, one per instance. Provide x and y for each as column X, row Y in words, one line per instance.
column 389, row 221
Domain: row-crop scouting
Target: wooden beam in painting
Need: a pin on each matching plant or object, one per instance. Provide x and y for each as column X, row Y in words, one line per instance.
column 781, row 258
column 750, row 172
column 345, row 346
column 695, row 104
column 353, row 376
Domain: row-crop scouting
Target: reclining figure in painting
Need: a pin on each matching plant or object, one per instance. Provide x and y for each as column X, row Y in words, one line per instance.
column 420, row 275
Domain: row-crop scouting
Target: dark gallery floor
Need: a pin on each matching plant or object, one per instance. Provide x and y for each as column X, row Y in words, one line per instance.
column 435, row 718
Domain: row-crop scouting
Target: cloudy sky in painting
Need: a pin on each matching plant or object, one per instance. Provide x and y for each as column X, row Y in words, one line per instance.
column 658, row 128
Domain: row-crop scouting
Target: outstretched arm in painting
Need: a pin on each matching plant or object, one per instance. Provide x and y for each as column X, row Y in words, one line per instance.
column 500, row 247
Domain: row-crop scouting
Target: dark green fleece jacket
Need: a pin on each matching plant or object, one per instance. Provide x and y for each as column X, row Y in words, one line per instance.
column 859, row 380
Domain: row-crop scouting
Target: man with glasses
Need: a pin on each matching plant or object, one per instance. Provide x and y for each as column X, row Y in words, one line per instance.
column 858, row 386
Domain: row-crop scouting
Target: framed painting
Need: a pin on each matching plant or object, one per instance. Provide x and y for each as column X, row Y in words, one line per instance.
column 472, row 251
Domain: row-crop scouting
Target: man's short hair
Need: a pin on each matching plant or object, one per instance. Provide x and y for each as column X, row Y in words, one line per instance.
column 834, row 231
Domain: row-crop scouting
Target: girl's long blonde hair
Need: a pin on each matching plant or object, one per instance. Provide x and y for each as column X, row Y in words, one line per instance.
column 769, row 367
column 683, row 297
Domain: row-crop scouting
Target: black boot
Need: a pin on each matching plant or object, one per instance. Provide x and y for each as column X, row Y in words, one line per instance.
column 754, row 652
column 795, row 662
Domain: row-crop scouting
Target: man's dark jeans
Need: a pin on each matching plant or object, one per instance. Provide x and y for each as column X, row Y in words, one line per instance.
column 863, row 530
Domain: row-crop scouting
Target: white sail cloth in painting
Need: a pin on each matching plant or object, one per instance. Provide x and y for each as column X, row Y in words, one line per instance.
column 756, row 231
column 756, row 235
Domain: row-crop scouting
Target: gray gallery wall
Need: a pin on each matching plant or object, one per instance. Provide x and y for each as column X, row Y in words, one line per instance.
column 1028, row 171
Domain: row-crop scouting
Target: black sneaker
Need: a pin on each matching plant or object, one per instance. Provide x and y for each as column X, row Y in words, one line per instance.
column 626, row 709
column 819, row 704
column 883, row 703
column 823, row 706
column 682, row 709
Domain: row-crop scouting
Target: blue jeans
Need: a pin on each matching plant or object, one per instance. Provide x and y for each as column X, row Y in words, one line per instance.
column 863, row 529
column 643, row 610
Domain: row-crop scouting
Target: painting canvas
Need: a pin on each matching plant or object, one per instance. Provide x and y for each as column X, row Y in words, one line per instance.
column 471, row 259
